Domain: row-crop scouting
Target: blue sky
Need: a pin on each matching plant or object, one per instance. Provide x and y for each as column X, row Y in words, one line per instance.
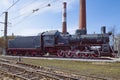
column 99, row 13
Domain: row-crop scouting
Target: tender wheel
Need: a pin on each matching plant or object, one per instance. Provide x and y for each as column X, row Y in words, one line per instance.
column 14, row 53
column 33, row 53
column 60, row 53
column 27, row 53
column 39, row 54
column 9, row 53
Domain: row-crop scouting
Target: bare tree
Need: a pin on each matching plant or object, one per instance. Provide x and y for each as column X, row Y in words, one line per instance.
column 117, row 39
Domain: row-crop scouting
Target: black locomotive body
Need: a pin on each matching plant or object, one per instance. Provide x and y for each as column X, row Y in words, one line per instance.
column 62, row 45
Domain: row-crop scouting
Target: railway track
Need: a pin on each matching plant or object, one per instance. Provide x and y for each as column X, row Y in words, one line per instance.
column 28, row 73
column 22, row 73
column 58, row 72
column 25, row 71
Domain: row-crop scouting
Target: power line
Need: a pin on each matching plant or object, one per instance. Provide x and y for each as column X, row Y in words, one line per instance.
column 26, row 5
column 23, row 19
column 17, row 17
column 10, row 7
column 21, row 9
column 33, row 11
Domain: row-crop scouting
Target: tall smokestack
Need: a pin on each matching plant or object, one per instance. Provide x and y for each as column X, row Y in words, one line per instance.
column 64, row 18
column 82, row 23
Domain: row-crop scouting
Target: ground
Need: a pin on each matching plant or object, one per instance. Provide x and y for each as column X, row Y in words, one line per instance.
column 107, row 70
column 101, row 69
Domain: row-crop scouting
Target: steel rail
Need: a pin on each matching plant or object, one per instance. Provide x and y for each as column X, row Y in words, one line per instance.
column 21, row 70
column 50, row 72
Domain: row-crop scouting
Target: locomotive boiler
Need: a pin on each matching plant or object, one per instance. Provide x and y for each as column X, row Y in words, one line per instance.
column 63, row 44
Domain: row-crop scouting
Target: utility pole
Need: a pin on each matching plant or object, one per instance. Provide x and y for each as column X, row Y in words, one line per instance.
column 5, row 33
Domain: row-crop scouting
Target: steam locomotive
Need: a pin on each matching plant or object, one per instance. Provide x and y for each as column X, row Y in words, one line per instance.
column 63, row 45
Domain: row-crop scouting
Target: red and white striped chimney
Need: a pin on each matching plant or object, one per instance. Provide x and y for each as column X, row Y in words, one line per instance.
column 64, row 18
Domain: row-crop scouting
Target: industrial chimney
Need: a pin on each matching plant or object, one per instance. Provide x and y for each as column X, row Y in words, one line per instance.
column 82, row 18
column 82, row 23
column 64, row 18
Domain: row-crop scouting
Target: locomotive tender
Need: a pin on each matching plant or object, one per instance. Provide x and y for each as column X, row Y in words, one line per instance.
column 63, row 44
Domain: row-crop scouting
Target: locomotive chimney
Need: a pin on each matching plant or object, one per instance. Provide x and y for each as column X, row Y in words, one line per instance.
column 82, row 23
column 82, row 18
column 64, row 18
column 103, row 30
